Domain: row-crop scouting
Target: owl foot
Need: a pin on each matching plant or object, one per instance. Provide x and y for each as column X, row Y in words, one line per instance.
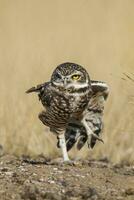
column 96, row 137
column 57, row 161
column 61, row 162
column 90, row 133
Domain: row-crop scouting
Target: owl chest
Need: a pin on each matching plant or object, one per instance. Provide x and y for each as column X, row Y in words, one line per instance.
column 79, row 103
column 62, row 106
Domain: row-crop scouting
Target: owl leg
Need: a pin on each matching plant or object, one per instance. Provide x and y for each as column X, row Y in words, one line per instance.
column 90, row 133
column 62, row 145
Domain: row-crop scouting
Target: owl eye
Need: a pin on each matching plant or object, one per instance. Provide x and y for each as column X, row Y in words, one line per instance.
column 76, row 77
column 57, row 76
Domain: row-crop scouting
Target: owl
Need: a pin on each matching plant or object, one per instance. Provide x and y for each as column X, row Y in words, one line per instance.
column 73, row 106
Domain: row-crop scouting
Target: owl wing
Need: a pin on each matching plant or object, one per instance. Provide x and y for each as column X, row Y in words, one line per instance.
column 93, row 114
column 44, row 93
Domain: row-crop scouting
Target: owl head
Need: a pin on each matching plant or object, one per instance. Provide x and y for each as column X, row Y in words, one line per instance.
column 70, row 75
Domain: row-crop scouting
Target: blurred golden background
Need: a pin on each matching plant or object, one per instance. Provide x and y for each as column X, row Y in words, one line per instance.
column 36, row 36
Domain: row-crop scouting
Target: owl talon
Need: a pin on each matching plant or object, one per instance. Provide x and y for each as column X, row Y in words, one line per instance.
column 95, row 137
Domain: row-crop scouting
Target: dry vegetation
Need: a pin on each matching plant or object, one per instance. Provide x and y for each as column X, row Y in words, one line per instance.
column 35, row 36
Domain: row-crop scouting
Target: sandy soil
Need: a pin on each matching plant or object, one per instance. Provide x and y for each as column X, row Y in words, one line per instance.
column 41, row 178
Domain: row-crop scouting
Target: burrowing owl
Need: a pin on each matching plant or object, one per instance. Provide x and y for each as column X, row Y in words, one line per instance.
column 73, row 106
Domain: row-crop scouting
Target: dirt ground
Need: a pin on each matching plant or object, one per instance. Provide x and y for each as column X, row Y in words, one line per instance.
column 40, row 178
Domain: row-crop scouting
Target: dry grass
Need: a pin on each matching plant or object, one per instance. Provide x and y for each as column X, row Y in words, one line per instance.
column 35, row 36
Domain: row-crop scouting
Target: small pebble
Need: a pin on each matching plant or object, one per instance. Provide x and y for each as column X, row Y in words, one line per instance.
column 51, row 181
column 55, row 169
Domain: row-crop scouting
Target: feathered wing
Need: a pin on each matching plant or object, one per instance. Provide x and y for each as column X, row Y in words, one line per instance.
column 93, row 114
column 44, row 93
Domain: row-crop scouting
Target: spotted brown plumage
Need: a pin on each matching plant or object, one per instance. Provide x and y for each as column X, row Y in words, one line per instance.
column 66, row 99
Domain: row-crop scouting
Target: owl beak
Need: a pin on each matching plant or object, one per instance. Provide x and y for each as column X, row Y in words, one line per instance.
column 65, row 82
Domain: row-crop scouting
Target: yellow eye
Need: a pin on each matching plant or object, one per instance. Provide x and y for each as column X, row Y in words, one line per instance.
column 76, row 77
